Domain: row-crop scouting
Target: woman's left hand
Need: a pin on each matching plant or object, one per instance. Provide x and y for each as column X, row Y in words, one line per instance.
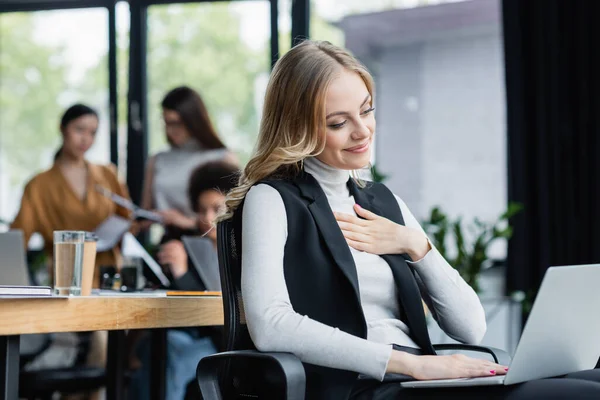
column 377, row 235
column 173, row 255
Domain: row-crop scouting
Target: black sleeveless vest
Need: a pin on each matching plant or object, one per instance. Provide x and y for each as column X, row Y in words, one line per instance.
column 321, row 275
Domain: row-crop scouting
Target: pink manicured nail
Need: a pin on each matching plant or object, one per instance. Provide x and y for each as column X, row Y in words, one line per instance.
column 358, row 205
column 506, row 369
column 493, row 372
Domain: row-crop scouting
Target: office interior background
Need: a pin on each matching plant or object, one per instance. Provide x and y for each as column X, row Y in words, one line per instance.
column 480, row 104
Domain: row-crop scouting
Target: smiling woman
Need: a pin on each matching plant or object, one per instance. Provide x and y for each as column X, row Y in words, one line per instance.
column 350, row 123
column 333, row 268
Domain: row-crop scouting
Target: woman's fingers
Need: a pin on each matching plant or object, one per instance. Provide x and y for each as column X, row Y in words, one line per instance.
column 348, row 226
column 355, row 236
column 478, row 367
column 360, row 246
column 353, row 219
column 478, row 372
column 454, row 366
column 493, row 366
column 500, row 369
column 365, row 213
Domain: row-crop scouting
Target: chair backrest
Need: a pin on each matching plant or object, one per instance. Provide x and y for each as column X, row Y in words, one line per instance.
column 241, row 378
column 229, row 248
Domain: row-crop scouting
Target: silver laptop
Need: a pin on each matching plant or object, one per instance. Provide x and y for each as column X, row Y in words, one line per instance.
column 13, row 267
column 562, row 334
column 205, row 259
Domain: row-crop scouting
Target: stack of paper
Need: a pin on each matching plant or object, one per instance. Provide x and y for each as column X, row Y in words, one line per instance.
column 25, row 290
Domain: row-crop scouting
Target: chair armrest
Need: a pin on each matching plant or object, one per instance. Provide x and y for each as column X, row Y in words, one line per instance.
column 289, row 365
column 500, row 356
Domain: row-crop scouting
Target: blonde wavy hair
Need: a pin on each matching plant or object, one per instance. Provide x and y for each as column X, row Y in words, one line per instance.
column 293, row 124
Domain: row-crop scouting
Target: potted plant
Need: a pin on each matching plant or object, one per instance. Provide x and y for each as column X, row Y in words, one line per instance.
column 470, row 255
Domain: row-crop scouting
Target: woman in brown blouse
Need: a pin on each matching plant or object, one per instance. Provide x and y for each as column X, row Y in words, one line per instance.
column 66, row 196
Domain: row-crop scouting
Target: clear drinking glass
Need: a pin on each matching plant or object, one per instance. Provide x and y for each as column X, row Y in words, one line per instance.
column 68, row 262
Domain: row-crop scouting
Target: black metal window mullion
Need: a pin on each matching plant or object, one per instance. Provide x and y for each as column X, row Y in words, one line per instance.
column 300, row 21
column 112, row 83
column 274, row 31
column 137, row 125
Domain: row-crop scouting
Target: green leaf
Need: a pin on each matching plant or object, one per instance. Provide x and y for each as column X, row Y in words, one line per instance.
column 471, row 257
column 513, row 209
column 505, row 233
column 438, row 217
column 479, row 224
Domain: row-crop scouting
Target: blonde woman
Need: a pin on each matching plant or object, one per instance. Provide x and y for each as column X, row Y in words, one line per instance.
column 328, row 260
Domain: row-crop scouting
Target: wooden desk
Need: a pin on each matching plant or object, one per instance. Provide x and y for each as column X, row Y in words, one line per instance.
column 95, row 313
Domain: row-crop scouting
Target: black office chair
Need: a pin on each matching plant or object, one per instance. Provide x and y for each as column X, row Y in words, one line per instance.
column 244, row 372
column 43, row 383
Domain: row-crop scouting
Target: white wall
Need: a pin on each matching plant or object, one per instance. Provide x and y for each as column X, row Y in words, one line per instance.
column 441, row 124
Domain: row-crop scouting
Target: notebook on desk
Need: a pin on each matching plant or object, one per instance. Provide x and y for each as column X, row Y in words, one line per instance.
column 30, row 291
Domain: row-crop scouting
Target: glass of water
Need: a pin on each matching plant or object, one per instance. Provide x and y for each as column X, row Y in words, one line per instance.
column 68, row 262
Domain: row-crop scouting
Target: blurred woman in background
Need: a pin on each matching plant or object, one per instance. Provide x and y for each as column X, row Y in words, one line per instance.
column 193, row 141
column 66, row 196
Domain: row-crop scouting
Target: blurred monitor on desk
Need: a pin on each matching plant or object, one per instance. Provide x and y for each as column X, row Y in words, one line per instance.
column 13, row 267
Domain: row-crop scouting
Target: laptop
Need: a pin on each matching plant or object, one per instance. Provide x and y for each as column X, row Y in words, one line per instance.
column 200, row 250
column 13, row 266
column 205, row 260
column 562, row 334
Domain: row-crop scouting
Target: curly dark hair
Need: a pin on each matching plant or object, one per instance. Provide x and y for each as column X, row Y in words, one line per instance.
column 217, row 175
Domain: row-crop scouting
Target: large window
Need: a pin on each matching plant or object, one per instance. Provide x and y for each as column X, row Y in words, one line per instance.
column 43, row 70
column 219, row 49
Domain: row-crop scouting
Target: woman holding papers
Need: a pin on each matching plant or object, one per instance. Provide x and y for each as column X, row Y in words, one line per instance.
column 334, row 267
column 193, row 141
column 65, row 197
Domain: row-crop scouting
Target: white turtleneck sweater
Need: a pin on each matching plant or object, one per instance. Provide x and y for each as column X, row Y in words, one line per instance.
column 275, row 326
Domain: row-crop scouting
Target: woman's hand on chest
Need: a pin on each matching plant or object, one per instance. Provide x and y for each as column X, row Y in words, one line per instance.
column 378, row 235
